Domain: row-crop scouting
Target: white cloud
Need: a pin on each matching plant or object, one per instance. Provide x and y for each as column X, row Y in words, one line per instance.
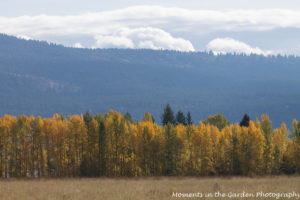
column 78, row 45
column 24, row 37
column 170, row 18
column 109, row 28
column 103, row 41
column 229, row 45
column 145, row 38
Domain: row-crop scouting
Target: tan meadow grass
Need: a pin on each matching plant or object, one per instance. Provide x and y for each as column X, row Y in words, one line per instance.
column 140, row 188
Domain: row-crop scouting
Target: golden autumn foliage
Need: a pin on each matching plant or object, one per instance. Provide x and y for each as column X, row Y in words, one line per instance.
column 112, row 145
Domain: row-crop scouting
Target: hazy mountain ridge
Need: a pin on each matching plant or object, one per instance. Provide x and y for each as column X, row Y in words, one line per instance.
column 41, row 78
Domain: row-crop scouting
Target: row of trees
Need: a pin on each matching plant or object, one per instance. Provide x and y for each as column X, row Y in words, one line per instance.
column 113, row 145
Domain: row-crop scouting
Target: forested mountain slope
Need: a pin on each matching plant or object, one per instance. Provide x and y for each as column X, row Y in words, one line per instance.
column 41, row 79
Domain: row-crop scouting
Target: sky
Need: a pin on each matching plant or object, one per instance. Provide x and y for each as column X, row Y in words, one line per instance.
column 242, row 26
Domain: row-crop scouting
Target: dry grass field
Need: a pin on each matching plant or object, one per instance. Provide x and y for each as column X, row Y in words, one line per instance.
column 144, row 188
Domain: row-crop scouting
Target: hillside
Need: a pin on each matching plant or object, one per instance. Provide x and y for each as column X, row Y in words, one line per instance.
column 41, row 79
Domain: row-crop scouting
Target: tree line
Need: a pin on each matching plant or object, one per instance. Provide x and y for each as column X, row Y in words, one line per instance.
column 114, row 145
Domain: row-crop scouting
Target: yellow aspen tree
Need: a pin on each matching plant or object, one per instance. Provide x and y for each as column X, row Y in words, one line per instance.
column 183, row 156
column 224, row 150
column 255, row 153
column 196, row 149
column 124, row 147
column 189, row 149
column 243, row 149
column 133, row 146
column 205, row 149
column 7, row 157
column 215, row 134
column 236, row 149
column 40, row 139
column 280, row 142
column 93, row 148
column 60, row 145
column 156, row 149
column 115, row 128
column 49, row 129
column 89, row 165
column 110, row 117
column 24, row 146
column 78, row 131
column 2, row 150
column 143, row 148
column 289, row 163
column 130, row 162
column 250, row 148
column 3, row 139
column 296, row 144
column 37, row 161
column 266, row 127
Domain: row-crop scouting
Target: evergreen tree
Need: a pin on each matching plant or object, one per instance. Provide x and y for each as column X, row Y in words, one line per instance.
column 296, row 145
column 128, row 118
column 245, row 121
column 102, row 147
column 87, row 117
column 296, row 132
column 180, row 118
column 170, row 139
column 189, row 119
column 168, row 116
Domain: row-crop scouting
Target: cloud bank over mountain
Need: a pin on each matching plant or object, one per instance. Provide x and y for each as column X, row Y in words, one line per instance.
column 230, row 45
column 143, row 38
column 154, row 27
